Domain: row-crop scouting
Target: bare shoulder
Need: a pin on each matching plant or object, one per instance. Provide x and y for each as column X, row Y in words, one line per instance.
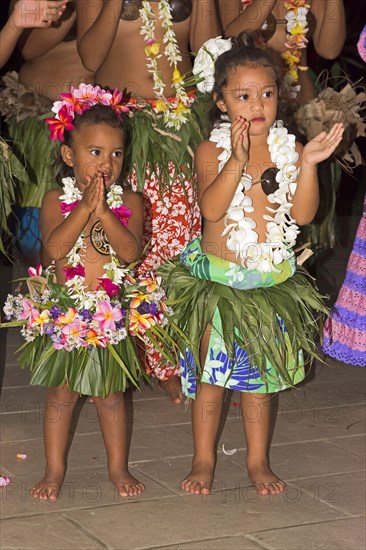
column 52, row 197
column 206, row 152
column 131, row 199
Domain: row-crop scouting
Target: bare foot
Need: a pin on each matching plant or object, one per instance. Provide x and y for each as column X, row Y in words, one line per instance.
column 48, row 488
column 199, row 479
column 264, row 480
column 126, row 484
column 173, row 388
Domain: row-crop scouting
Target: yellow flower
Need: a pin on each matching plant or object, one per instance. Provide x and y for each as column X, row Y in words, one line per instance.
column 293, row 74
column 152, row 50
column 290, row 58
column 177, row 77
column 180, row 109
column 41, row 319
column 297, row 29
column 161, row 105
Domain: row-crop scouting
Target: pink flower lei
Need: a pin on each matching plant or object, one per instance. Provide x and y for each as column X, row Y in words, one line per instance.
column 76, row 102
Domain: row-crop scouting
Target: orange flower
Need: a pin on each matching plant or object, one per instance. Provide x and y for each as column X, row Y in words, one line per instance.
column 68, row 317
column 92, row 338
column 140, row 323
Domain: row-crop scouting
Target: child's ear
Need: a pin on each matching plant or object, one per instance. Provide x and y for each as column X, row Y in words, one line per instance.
column 220, row 103
column 67, row 156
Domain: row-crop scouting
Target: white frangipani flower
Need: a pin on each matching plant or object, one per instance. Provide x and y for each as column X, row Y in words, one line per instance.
column 204, row 63
column 281, row 228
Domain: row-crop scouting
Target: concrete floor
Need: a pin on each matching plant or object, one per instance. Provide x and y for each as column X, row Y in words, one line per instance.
column 318, row 448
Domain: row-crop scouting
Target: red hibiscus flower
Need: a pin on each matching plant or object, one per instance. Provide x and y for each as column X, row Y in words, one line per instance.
column 71, row 272
column 111, row 288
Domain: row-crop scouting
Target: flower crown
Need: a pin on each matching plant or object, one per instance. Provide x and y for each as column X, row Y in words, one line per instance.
column 76, row 102
column 204, row 63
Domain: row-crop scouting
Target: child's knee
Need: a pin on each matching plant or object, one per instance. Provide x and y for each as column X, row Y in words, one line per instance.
column 113, row 401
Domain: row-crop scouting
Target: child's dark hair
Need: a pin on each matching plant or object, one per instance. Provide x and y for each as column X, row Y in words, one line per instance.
column 98, row 114
column 243, row 52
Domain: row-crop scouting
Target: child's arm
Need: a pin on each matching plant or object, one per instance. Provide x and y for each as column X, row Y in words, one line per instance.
column 27, row 14
column 306, row 198
column 98, row 22
column 125, row 241
column 216, row 190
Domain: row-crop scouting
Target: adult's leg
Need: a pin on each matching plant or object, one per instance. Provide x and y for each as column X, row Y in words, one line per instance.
column 58, row 411
column 256, row 411
column 113, row 421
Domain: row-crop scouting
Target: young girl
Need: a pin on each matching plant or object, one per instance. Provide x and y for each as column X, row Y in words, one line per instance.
column 245, row 306
column 89, row 229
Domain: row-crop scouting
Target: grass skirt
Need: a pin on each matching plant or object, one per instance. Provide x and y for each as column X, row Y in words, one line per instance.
column 267, row 324
column 99, row 371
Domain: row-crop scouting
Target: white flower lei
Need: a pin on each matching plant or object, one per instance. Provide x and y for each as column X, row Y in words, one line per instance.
column 113, row 271
column 173, row 117
column 281, row 228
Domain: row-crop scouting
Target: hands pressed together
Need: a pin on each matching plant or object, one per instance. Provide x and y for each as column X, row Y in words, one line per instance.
column 94, row 197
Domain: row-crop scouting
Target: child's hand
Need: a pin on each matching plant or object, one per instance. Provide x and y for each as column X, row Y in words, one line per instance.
column 102, row 206
column 91, row 193
column 240, row 140
column 322, row 146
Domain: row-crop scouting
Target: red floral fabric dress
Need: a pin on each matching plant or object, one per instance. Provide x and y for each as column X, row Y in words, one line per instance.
column 171, row 220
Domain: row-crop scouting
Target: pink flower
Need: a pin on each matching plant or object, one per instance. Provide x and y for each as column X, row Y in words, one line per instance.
column 104, row 97
column 65, row 208
column 86, row 92
column 123, row 213
column 76, row 329
column 71, row 272
column 29, row 310
column 111, row 288
column 107, row 315
column 33, row 272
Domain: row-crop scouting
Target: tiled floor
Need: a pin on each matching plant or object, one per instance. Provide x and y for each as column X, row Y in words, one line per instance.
column 318, row 447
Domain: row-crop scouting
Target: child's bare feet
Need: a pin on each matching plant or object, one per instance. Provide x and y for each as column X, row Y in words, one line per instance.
column 264, row 480
column 199, row 479
column 49, row 487
column 125, row 483
column 173, row 387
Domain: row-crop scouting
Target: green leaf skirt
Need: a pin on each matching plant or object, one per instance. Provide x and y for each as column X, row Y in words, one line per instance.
column 261, row 328
column 98, row 371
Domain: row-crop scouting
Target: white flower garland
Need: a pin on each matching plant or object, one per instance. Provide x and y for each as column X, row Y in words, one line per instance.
column 176, row 113
column 113, row 271
column 281, row 228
